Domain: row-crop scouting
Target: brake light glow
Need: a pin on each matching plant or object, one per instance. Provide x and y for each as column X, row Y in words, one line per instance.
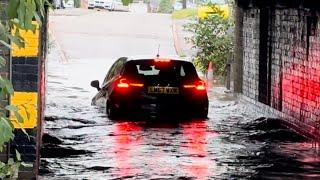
column 123, row 83
column 189, row 86
column 162, row 60
column 200, row 86
column 136, row 84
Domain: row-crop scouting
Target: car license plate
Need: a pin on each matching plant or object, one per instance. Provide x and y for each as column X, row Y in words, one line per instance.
column 163, row 90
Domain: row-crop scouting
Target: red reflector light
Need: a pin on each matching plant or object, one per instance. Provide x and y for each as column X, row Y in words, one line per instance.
column 201, row 86
column 123, row 83
column 162, row 60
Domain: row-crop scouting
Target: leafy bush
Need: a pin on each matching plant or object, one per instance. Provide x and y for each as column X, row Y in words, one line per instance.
column 212, row 40
column 165, row 6
column 126, row 2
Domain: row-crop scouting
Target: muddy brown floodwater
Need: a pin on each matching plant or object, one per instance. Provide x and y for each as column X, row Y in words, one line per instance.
column 82, row 143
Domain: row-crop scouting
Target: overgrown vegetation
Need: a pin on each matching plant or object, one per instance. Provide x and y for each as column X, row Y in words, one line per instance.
column 185, row 13
column 213, row 40
column 18, row 15
column 10, row 169
column 165, row 6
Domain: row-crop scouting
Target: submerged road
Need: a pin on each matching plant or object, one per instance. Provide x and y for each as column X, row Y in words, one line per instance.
column 84, row 144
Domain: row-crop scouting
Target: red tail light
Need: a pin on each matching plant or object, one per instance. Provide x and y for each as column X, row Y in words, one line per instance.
column 161, row 60
column 124, row 83
column 200, row 86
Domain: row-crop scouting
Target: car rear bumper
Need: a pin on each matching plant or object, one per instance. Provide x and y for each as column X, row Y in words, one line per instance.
column 157, row 107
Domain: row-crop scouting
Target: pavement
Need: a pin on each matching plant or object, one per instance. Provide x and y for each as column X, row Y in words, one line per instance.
column 183, row 47
column 117, row 28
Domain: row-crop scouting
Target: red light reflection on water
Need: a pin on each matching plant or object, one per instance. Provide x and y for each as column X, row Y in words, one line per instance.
column 127, row 136
column 152, row 150
column 196, row 136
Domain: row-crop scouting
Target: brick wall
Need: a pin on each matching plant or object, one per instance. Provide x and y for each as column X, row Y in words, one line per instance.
column 251, row 53
column 294, row 55
column 299, row 56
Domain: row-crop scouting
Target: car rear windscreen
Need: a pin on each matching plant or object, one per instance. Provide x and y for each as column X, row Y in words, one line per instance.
column 166, row 69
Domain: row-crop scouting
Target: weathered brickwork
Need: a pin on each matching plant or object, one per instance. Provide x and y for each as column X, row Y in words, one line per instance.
column 25, row 74
column 251, row 53
column 293, row 49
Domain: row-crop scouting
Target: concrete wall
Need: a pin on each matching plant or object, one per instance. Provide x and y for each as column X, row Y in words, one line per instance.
column 291, row 61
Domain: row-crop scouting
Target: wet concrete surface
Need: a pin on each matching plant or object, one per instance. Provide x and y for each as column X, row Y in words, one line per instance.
column 82, row 143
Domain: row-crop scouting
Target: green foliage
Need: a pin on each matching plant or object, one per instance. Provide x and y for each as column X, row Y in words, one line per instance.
column 213, row 41
column 22, row 12
column 19, row 15
column 6, row 131
column 165, row 6
column 10, row 170
column 126, row 2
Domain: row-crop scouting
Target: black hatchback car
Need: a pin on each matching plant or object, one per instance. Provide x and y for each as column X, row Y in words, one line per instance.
column 152, row 87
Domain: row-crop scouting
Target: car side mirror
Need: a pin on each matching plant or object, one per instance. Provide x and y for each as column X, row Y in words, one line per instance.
column 96, row 84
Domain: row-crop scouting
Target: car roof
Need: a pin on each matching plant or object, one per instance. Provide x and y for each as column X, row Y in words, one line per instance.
column 143, row 57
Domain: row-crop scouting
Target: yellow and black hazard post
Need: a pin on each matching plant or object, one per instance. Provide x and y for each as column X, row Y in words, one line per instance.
column 28, row 79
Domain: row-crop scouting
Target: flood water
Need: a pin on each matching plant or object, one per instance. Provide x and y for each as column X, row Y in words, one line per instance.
column 84, row 144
